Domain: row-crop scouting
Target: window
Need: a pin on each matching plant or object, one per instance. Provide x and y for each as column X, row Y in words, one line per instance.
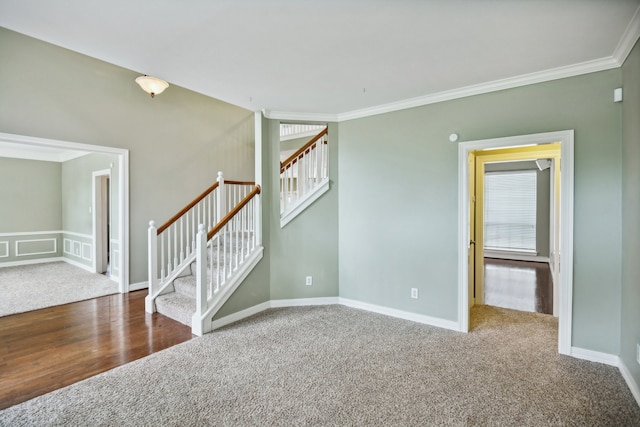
column 510, row 211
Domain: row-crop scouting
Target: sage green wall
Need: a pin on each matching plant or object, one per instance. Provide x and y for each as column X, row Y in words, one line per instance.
column 77, row 199
column 77, row 192
column 630, row 318
column 255, row 289
column 177, row 141
column 29, row 202
column 543, row 199
column 398, row 200
column 29, row 195
column 308, row 245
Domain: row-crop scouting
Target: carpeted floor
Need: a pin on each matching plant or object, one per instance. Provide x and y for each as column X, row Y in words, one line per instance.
column 333, row 365
column 31, row 287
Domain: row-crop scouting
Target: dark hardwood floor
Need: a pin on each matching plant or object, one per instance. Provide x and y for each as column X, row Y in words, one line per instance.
column 43, row 350
column 520, row 285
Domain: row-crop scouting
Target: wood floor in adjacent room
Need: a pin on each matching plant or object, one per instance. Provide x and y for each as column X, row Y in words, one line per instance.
column 43, row 350
column 520, row 285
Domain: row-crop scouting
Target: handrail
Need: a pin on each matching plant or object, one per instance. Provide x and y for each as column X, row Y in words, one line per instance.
column 233, row 212
column 187, row 208
column 294, row 156
column 196, row 200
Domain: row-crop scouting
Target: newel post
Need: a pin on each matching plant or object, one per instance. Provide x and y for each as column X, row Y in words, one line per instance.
column 150, row 305
column 222, row 198
column 201, row 280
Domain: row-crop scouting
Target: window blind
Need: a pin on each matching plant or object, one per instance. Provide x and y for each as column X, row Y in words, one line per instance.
column 510, row 211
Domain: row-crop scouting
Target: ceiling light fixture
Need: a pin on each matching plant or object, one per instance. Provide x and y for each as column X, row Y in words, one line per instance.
column 152, row 85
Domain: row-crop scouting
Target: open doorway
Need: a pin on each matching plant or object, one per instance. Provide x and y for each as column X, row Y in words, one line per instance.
column 472, row 249
column 515, row 222
column 102, row 221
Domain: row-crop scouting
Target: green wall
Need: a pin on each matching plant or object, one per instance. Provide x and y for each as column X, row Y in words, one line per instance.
column 630, row 329
column 398, row 200
column 77, row 191
column 306, row 246
column 177, row 141
column 30, row 194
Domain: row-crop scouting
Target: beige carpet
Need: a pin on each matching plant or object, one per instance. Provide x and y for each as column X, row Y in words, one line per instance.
column 31, row 287
column 334, row 365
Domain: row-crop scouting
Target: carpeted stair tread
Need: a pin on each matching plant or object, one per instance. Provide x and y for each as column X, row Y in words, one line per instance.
column 177, row 306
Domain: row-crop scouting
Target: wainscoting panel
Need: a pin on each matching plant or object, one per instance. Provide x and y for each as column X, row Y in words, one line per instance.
column 25, row 247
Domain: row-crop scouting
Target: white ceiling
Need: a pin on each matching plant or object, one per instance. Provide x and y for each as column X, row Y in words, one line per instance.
column 338, row 59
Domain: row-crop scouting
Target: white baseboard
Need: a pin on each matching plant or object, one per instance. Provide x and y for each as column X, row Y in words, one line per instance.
column 226, row 320
column 138, row 286
column 79, row 265
column 631, row 383
column 595, row 356
column 30, row 261
column 414, row 317
column 299, row 302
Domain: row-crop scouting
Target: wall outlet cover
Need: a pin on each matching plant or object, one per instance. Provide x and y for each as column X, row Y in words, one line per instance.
column 414, row 293
column 309, row 281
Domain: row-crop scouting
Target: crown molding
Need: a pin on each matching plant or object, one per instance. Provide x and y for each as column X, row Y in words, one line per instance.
column 624, row 47
column 494, row 86
column 296, row 116
column 628, row 39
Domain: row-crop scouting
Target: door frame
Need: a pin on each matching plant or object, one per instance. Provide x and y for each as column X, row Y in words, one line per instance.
column 100, row 239
column 566, row 140
column 123, row 189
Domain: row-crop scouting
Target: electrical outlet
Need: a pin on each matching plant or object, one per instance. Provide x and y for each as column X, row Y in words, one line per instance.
column 309, row 281
column 414, row 293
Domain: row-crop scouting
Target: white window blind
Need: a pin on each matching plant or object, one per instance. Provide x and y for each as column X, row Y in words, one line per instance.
column 510, row 211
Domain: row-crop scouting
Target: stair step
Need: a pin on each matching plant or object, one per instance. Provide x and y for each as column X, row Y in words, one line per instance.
column 177, row 306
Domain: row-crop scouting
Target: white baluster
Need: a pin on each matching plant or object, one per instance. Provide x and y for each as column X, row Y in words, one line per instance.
column 152, row 234
column 222, row 197
column 181, row 225
column 201, row 277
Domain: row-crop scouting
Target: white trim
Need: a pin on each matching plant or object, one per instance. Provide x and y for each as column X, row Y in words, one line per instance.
column 30, row 261
column 400, row 314
column 240, row 315
column 566, row 139
column 85, row 251
column 302, row 302
column 587, row 67
column 66, row 248
column 30, row 233
column 55, row 247
column 123, row 200
column 6, row 245
column 631, row 382
column 73, row 233
column 115, row 259
column 628, row 39
column 78, row 264
column 138, row 286
column 304, row 117
column 76, row 248
column 594, row 356
column 303, row 204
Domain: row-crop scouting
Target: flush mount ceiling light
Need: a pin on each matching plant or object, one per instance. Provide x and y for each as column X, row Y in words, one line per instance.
column 152, row 85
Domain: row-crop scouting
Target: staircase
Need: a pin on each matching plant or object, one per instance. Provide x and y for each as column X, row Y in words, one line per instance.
column 194, row 269
column 304, row 177
column 180, row 304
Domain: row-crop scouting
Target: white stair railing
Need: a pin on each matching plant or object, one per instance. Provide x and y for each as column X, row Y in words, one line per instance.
column 172, row 246
column 303, row 172
column 224, row 257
